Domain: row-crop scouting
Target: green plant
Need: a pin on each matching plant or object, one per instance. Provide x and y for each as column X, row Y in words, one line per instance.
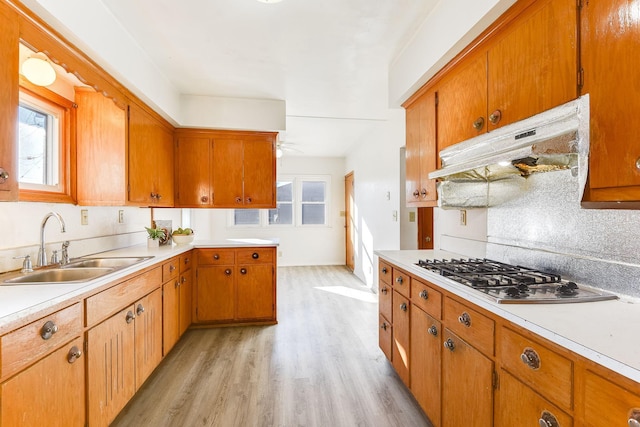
column 156, row 233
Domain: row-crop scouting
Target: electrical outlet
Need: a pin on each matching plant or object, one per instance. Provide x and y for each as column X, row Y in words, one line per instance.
column 121, row 216
column 84, row 217
column 412, row 217
column 463, row 217
column 279, row 254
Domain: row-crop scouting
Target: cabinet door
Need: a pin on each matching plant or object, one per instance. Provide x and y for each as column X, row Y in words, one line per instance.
column 259, row 172
column 400, row 344
column 171, row 313
column 215, row 293
column 228, row 155
column 49, row 393
column 186, row 297
column 608, row 404
column 609, row 39
column 255, row 292
column 533, row 66
column 111, row 363
column 148, row 332
column 9, row 56
column 518, row 405
column 421, row 152
column 467, row 385
column 462, row 102
column 193, row 165
column 426, row 348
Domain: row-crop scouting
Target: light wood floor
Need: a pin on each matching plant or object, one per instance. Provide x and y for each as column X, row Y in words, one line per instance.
column 320, row 366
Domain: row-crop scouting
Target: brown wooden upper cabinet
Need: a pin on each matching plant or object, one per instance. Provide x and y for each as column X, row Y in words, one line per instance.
column 524, row 64
column 151, row 169
column 225, row 169
column 610, row 61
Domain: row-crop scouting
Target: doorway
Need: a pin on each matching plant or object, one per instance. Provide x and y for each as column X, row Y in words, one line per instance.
column 425, row 228
column 349, row 226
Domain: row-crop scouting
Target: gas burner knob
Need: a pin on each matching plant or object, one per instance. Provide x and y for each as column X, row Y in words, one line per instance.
column 571, row 285
column 522, row 287
column 512, row 292
column 566, row 290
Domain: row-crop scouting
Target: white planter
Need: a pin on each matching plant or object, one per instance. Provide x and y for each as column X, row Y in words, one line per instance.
column 153, row 243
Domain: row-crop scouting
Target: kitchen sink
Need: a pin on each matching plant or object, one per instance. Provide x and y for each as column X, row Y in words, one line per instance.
column 59, row 275
column 117, row 263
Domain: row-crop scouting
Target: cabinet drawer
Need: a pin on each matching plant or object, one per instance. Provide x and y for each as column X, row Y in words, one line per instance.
column 384, row 336
column 185, row 261
column 384, row 299
column 255, row 256
column 473, row 327
column 29, row 343
column 100, row 306
column 402, row 282
column 385, row 272
column 216, row 257
column 544, row 370
column 170, row 269
column 427, row 298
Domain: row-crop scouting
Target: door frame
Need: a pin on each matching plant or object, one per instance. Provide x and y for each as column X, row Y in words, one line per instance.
column 349, row 194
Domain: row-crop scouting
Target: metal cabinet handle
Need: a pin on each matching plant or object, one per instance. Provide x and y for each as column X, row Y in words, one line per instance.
column 139, row 309
column 547, row 419
column 172, row 268
column 424, row 193
column 384, row 290
column 158, row 196
column 465, row 319
column 176, row 284
column 243, row 271
column 48, row 329
column 530, row 358
column 204, row 199
column 152, row 195
column 424, row 294
column 187, row 261
column 4, row 176
column 495, row 117
column 238, row 199
column 216, row 257
column 384, row 270
column 433, row 330
column 399, row 280
column 449, row 344
column 255, row 255
column 74, row 354
column 183, row 279
column 478, row 124
column 638, row 163
column 403, row 306
column 384, row 326
column 416, row 194
column 130, row 316
column 227, row 272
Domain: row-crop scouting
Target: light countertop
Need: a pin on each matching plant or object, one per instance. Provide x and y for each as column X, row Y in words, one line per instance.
column 604, row 331
column 22, row 301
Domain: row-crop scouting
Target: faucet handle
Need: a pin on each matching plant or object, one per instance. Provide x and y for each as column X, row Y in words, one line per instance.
column 65, row 253
column 54, row 258
column 27, row 266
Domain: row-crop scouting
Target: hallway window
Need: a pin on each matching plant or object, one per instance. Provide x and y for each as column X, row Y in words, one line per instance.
column 313, row 203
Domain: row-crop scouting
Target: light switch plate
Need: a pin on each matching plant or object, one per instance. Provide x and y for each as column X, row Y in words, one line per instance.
column 463, row 217
column 84, row 217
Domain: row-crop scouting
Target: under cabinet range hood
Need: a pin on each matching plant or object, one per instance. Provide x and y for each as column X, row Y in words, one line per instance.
column 550, row 141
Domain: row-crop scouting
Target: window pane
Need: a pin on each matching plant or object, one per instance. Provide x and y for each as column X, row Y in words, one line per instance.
column 282, row 215
column 246, row 217
column 32, row 149
column 313, row 191
column 284, row 192
column 313, row 214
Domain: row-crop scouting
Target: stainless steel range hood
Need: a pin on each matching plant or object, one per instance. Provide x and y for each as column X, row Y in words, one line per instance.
column 544, row 142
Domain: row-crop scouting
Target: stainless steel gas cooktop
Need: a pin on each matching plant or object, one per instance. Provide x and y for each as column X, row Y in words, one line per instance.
column 513, row 284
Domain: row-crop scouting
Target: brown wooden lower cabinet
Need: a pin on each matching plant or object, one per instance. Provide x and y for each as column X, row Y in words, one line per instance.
column 426, row 353
column 400, row 350
column 148, row 335
column 606, row 402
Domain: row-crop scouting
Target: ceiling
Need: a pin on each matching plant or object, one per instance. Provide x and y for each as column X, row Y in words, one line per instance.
column 327, row 59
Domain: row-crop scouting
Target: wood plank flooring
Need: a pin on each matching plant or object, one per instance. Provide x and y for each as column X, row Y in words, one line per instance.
column 320, row 366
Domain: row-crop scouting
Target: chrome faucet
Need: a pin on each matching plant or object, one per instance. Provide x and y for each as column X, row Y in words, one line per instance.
column 42, row 252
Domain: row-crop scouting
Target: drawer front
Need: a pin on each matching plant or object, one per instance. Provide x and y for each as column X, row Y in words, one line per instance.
column 29, row 343
column 384, row 299
column 384, row 336
column 216, row 256
column 427, row 298
column 544, row 370
column 402, row 282
column 170, row 269
column 100, row 306
column 185, row 261
column 255, row 256
column 473, row 327
column 385, row 272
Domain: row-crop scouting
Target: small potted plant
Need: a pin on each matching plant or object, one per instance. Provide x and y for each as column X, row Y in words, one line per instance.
column 155, row 235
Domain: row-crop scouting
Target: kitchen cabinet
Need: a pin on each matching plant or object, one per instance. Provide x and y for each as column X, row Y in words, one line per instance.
column 186, row 292
column 609, row 35
column 101, row 131
column 608, row 400
column 235, row 286
column 426, row 355
column 150, row 159
column 421, row 151
column 9, row 55
column 400, row 350
column 226, row 169
column 177, row 292
column 385, row 293
column 148, row 335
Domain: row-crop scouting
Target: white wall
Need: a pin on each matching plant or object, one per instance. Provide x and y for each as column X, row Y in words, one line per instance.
column 298, row 245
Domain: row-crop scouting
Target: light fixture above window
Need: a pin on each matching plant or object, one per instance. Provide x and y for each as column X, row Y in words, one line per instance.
column 38, row 70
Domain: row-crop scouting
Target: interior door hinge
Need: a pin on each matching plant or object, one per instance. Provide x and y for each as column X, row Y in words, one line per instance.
column 495, row 382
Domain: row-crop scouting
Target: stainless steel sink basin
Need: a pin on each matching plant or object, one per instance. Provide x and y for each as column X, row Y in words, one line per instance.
column 60, row 275
column 119, row 262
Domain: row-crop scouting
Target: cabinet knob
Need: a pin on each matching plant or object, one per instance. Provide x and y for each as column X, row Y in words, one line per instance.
column 48, row 329
column 530, row 358
column 183, row 279
column 255, row 255
column 416, row 194
column 403, row 306
column 74, row 354
column 634, row 417
column 478, row 124
column 399, row 280
column 227, row 272
column 384, row 326
column 449, row 344
column 243, row 271
column 433, row 330
column 130, row 316
column 152, row 195
column 238, row 199
column 216, row 257
column 384, row 290
column 139, row 309
column 424, row 294
column 638, row 163
column 384, row 270
column 465, row 319
column 424, row 193
column 187, row 261
column 547, row 419
column 4, row 176
column 204, row 199
column 249, row 200
column 495, row 117
column 176, row 284
column 158, row 196
column 172, row 268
